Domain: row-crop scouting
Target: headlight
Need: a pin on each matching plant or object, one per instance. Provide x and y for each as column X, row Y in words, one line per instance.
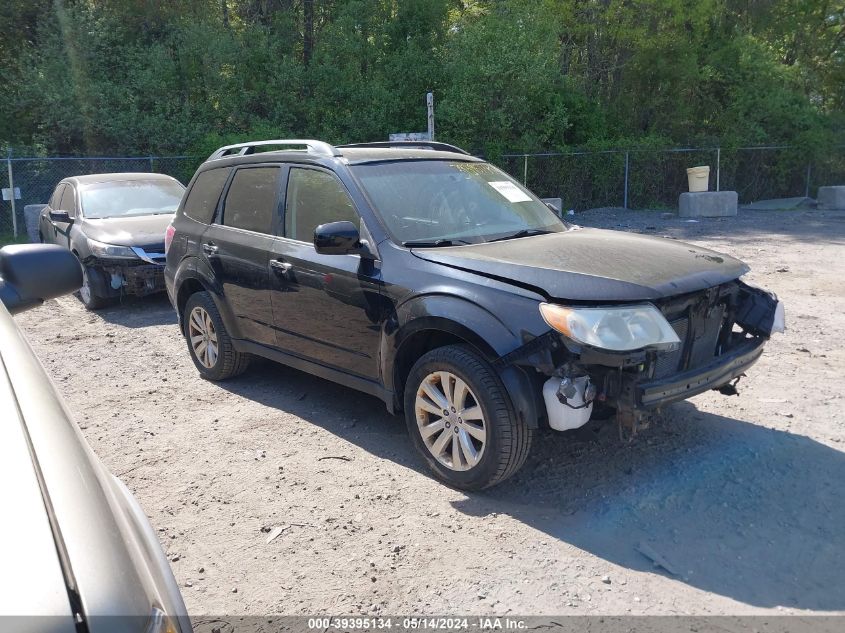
column 620, row 329
column 99, row 249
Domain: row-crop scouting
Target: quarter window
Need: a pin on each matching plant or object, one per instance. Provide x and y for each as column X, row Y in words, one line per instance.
column 251, row 201
column 201, row 202
column 314, row 198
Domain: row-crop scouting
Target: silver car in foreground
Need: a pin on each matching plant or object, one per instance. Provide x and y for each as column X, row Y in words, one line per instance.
column 78, row 554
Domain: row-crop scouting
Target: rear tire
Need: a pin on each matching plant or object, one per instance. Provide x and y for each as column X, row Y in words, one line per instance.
column 209, row 343
column 461, row 419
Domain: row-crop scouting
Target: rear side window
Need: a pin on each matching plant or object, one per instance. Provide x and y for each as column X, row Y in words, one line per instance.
column 202, row 199
column 67, row 202
column 252, row 201
column 314, row 198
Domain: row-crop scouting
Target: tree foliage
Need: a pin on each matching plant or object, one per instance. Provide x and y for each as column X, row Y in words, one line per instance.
column 177, row 76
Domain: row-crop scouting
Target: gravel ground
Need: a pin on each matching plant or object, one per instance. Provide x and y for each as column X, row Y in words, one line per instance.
column 740, row 498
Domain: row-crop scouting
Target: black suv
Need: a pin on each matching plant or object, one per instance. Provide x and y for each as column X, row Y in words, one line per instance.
column 431, row 279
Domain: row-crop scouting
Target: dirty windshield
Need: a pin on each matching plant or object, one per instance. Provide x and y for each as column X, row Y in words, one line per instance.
column 432, row 203
column 130, row 197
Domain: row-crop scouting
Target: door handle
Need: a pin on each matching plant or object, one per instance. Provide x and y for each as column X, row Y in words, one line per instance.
column 209, row 249
column 282, row 267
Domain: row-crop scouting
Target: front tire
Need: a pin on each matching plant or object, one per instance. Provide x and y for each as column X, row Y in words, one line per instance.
column 209, row 344
column 87, row 292
column 461, row 419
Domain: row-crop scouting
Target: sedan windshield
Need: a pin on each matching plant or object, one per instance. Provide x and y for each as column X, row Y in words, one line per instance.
column 130, row 197
column 442, row 203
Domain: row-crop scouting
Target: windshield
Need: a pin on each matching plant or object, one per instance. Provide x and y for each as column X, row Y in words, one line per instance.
column 130, row 197
column 433, row 203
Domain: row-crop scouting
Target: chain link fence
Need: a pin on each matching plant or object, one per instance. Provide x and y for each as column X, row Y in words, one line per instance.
column 654, row 178
column 34, row 180
column 632, row 179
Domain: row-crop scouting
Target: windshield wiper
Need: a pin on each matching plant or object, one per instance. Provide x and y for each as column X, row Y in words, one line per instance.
column 433, row 243
column 522, row 233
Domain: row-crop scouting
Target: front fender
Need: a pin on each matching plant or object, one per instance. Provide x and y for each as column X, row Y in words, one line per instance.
column 465, row 320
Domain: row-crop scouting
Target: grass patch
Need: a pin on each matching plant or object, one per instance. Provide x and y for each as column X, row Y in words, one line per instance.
column 9, row 238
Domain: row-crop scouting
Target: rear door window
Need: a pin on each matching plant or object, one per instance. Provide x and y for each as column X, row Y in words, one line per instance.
column 314, row 198
column 201, row 202
column 252, row 199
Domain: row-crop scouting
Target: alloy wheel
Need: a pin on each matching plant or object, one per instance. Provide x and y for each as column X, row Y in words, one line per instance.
column 203, row 337
column 450, row 420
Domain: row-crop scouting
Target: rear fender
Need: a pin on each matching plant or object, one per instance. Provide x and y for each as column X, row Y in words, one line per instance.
column 193, row 273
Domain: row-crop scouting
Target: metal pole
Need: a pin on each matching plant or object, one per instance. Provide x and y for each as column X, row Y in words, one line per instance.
column 525, row 171
column 807, row 187
column 12, row 196
column 718, row 166
column 429, row 102
column 625, row 201
column 151, row 164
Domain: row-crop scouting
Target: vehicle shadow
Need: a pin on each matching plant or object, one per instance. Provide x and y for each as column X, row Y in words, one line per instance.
column 139, row 312
column 728, row 506
column 723, row 505
column 348, row 414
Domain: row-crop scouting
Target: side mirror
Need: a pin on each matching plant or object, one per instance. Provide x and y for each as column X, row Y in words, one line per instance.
column 61, row 216
column 32, row 273
column 337, row 238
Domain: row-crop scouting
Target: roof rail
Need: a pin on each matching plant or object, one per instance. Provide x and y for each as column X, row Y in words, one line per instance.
column 240, row 149
column 433, row 145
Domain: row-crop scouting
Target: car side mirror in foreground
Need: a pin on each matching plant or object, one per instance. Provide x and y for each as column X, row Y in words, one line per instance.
column 61, row 216
column 32, row 273
column 339, row 238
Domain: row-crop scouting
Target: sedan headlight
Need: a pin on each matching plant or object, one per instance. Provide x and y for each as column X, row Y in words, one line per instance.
column 100, row 249
column 620, row 329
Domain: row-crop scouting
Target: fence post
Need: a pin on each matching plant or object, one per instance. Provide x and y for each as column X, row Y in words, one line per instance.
column 625, row 199
column 807, row 186
column 525, row 171
column 151, row 164
column 718, row 166
column 12, row 195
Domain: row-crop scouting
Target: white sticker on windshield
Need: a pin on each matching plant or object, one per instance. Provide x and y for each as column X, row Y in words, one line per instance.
column 510, row 191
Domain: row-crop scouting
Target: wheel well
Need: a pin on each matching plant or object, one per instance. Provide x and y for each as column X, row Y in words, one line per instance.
column 418, row 344
column 186, row 289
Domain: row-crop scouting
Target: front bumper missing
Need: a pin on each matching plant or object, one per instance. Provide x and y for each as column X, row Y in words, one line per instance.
column 119, row 277
column 653, row 394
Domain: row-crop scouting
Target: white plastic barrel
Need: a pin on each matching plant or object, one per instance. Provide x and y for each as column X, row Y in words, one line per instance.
column 699, row 178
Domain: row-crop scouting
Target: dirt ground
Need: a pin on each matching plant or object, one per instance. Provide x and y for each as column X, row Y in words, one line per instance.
column 740, row 497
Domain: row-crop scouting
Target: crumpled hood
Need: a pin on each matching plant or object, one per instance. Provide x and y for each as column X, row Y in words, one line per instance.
column 594, row 264
column 139, row 230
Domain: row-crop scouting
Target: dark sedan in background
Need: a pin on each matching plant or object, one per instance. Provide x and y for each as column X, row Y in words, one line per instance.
column 115, row 225
column 78, row 554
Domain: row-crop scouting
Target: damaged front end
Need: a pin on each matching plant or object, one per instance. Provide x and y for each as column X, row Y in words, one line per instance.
column 138, row 276
column 698, row 341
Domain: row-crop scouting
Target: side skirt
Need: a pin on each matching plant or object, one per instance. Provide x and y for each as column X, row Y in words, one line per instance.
column 370, row 387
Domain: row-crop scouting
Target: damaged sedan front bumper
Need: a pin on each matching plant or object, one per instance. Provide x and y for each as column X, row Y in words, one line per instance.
column 118, row 277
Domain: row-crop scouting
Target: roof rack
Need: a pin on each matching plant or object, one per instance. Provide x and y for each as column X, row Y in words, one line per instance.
column 240, row 149
column 432, row 145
